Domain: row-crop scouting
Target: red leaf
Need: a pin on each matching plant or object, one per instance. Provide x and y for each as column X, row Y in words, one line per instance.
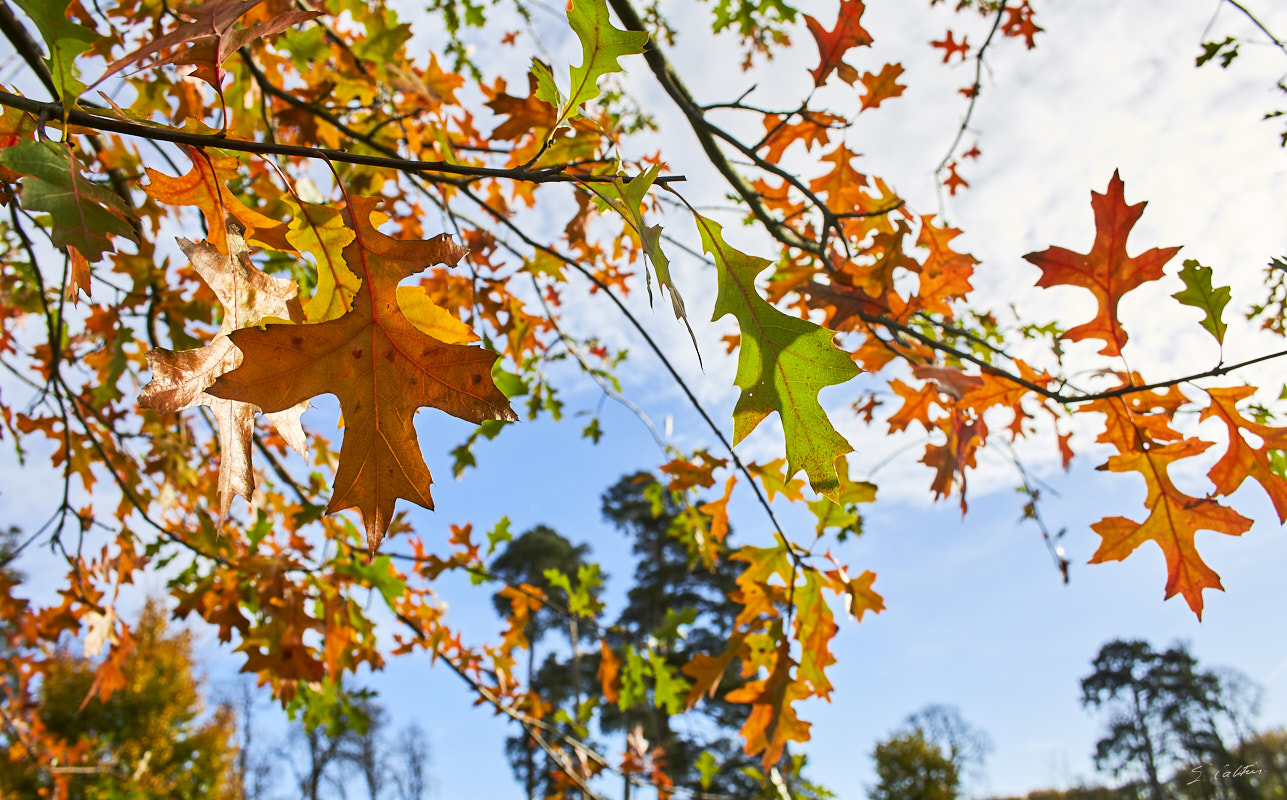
column 951, row 47
column 833, row 44
column 1107, row 271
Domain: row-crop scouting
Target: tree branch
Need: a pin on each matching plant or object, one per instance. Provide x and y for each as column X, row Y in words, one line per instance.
column 466, row 173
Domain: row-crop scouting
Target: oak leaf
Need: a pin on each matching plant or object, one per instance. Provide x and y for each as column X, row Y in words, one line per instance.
column 1174, row 519
column 783, row 363
column 204, row 186
column 180, row 379
column 380, row 366
column 1107, row 271
column 211, row 37
column 1199, row 293
column 881, row 86
column 84, row 214
column 601, row 46
column 845, row 35
column 951, row 47
column 773, row 722
column 1241, row 460
column 65, row 40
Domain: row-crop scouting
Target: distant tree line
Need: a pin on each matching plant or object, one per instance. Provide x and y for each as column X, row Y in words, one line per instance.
column 1174, row 731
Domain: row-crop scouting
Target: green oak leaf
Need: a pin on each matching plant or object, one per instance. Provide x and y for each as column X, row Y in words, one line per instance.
column 783, row 363
column 1199, row 293
column 83, row 212
column 626, row 199
column 65, row 40
column 601, row 46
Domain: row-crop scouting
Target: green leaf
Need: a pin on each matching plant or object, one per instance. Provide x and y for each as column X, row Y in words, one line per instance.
column 601, row 46
column 708, row 768
column 65, row 40
column 1199, row 293
column 626, row 200
column 546, row 88
column 668, row 688
column 783, row 363
column 498, row 534
column 83, row 212
column 633, row 690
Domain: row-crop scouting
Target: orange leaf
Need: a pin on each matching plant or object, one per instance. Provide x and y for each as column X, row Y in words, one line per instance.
column 707, row 671
column 1241, row 460
column 1107, row 271
column 718, row 511
column 954, row 181
column 609, row 672
column 380, row 366
column 833, row 44
column 883, row 86
column 1174, row 519
column 773, row 722
column 204, row 187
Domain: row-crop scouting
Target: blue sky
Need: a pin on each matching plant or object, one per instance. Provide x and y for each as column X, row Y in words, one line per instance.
column 976, row 616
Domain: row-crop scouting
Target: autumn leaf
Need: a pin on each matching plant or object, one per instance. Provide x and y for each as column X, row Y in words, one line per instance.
column 1173, row 521
column 65, row 40
column 883, row 86
column 211, row 37
column 1199, row 293
column 951, row 47
column 783, row 363
column 627, row 199
column 815, row 627
column 845, row 35
column 1018, row 22
column 773, row 722
column 775, row 482
column 1241, row 460
column 380, row 366
column 320, row 232
column 601, row 46
column 83, row 213
column 718, row 510
column 180, row 379
column 954, row 181
column 1107, row 271
column 205, row 186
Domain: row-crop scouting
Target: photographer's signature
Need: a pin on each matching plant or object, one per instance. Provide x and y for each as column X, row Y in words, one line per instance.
column 1218, row 773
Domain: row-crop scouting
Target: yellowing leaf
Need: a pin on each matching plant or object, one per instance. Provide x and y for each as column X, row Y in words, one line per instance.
column 783, row 363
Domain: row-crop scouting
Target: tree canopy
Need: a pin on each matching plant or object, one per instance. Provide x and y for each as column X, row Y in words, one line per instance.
column 223, row 214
